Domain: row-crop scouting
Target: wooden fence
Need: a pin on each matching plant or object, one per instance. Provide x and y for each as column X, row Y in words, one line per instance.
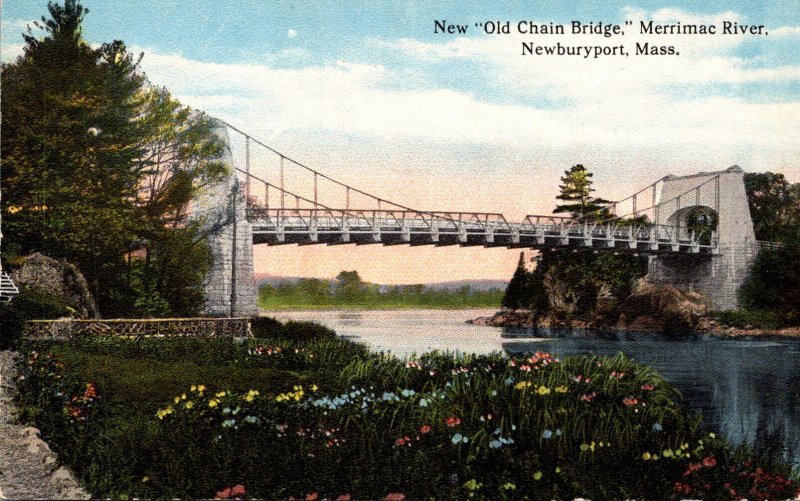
column 137, row 328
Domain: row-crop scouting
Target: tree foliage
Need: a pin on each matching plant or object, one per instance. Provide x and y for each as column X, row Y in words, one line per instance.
column 576, row 190
column 774, row 206
column 774, row 283
column 518, row 292
column 97, row 164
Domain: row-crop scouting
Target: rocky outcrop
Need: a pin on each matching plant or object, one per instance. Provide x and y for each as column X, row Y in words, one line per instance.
column 507, row 318
column 661, row 308
column 649, row 308
column 57, row 278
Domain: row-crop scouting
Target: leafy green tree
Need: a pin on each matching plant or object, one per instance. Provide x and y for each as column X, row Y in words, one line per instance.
column 517, row 293
column 349, row 285
column 576, row 191
column 774, row 205
column 180, row 155
column 774, row 283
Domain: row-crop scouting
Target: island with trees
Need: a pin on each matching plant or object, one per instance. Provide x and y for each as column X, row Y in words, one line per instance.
column 604, row 290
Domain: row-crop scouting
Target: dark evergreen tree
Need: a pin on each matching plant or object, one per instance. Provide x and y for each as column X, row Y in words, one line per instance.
column 96, row 164
column 69, row 138
column 517, row 291
column 576, row 190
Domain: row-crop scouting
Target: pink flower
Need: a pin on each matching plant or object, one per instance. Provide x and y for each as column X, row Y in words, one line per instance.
column 426, row 428
column 395, row 496
column 344, row 497
column 312, row 496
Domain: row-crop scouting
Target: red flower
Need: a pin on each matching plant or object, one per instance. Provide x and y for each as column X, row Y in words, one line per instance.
column 589, row 397
column 629, row 401
column 235, row 492
column 90, row 392
column 399, row 442
column 395, row 496
column 426, row 428
column 344, row 497
column 312, row 496
column 452, row 421
column 648, row 387
column 710, row 461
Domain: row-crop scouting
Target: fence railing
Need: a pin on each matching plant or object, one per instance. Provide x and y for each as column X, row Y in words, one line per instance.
column 139, row 328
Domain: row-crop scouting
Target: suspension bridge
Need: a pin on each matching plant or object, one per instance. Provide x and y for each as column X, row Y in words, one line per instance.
column 271, row 198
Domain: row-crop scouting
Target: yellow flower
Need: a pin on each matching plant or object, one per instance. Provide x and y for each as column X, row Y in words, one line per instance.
column 646, row 456
column 183, row 396
column 189, row 404
column 522, row 385
column 162, row 413
column 251, row 395
column 543, row 390
column 201, row 388
column 193, row 388
column 561, row 389
column 213, row 402
column 221, row 394
column 591, row 446
column 314, row 387
column 145, row 479
column 177, row 399
column 537, row 475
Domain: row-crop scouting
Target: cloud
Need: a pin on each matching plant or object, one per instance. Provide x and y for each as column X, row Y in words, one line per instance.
column 291, row 33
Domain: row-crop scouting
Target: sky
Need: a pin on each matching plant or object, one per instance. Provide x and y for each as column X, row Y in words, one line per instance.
column 369, row 94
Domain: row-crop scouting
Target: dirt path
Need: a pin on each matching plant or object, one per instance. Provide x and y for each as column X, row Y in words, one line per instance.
column 28, row 468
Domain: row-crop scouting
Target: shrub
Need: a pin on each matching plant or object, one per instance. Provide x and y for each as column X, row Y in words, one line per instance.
column 266, row 328
column 29, row 304
column 760, row 319
column 269, row 328
column 774, row 283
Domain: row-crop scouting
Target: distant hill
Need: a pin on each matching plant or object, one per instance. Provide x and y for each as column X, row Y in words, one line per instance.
column 478, row 285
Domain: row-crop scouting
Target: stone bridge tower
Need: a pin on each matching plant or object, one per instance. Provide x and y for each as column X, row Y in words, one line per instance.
column 722, row 197
column 229, row 285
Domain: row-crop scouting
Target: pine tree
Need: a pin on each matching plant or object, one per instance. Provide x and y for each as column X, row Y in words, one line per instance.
column 69, row 138
column 517, row 292
column 576, row 188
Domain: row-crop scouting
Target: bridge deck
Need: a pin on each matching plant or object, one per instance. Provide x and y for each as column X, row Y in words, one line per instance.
column 394, row 227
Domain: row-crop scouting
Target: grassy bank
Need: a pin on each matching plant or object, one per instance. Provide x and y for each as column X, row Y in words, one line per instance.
column 318, row 294
column 284, row 416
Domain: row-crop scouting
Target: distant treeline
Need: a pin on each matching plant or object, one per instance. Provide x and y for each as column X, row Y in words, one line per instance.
column 349, row 291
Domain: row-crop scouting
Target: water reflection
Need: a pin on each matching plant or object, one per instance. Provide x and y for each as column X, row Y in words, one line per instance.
column 747, row 389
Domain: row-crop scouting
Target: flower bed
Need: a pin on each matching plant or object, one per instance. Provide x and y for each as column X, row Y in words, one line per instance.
column 335, row 421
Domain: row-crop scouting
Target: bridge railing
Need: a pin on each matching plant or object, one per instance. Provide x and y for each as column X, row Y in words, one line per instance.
column 372, row 219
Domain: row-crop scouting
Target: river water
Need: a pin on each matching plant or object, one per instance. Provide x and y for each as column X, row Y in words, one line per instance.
column 747, row 389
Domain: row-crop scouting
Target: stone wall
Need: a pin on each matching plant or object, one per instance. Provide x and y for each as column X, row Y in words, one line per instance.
column 717, row 277
column 230, row 284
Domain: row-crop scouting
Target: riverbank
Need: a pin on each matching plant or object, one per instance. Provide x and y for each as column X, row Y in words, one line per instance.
column 705, row 325
column 28, row 468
